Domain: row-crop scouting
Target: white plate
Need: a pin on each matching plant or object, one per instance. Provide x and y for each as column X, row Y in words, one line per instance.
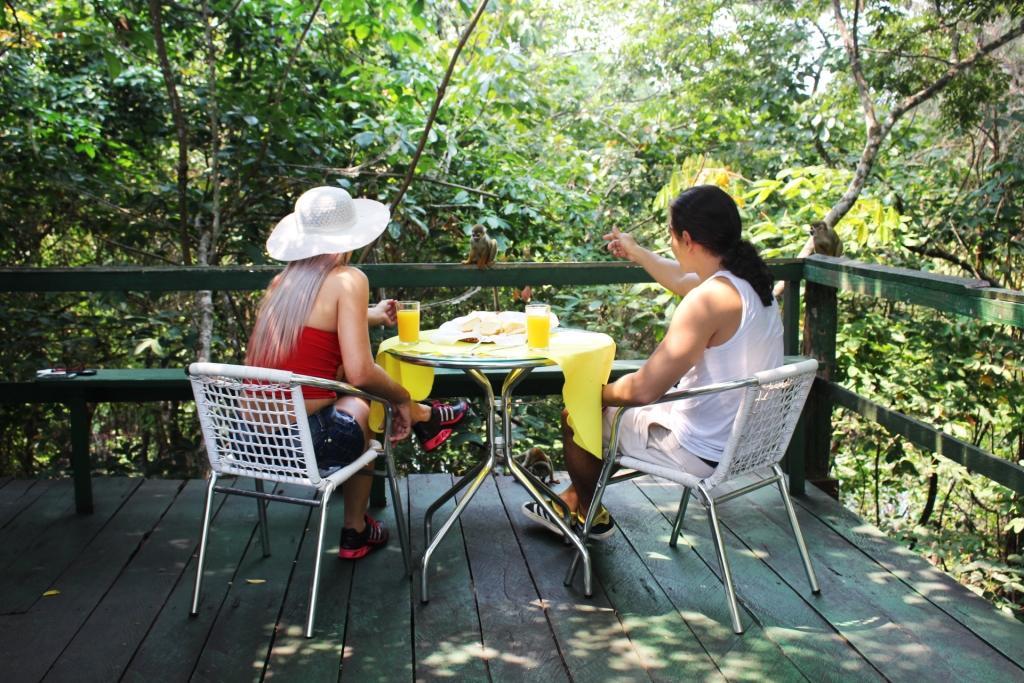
column 451, row 331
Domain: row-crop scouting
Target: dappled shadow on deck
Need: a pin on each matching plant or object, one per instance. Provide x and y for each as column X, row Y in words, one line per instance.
column 106, row 596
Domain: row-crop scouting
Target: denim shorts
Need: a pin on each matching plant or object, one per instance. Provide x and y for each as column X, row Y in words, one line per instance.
column 337, row 438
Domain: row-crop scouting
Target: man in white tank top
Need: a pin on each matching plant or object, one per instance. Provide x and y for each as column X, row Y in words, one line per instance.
column 721, row 330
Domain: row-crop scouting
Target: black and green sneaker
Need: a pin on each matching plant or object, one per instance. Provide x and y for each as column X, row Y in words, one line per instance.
column 601, row 528
column 544, row 515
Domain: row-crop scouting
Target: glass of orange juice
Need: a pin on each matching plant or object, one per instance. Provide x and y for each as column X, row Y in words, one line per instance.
column 538, row 326
column 408, row 322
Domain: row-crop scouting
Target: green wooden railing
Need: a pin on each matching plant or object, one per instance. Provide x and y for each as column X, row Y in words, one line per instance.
column 822, row 278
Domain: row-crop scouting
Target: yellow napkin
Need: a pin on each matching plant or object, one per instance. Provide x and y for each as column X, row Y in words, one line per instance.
column 584, row 357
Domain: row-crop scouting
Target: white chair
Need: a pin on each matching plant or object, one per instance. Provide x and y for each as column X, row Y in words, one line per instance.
column 769, row 409
column 255, row 425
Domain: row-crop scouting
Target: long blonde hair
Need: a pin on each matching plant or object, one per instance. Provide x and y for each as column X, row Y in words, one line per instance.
column 285, row 308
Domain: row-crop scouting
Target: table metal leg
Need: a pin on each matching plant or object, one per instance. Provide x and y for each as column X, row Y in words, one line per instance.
column 477, row 480
column 428, row 517
column 524, row 478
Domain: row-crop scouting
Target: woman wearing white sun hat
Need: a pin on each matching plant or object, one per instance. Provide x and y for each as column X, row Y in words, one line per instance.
column 314, row 320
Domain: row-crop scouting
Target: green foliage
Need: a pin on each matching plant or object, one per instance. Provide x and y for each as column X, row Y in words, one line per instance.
column 562, row 119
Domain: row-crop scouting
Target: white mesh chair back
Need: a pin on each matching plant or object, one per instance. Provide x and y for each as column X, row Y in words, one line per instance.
column 254, row 423
column 765, row 421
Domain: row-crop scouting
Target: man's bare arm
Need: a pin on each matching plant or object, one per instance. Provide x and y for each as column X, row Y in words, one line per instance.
column 691, row 329
column 668, row 273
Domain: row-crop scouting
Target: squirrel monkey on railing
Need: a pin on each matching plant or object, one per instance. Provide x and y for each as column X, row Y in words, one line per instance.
column 823, row 240
column 482, row 249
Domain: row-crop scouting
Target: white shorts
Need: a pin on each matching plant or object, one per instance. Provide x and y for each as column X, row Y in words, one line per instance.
column 644, row 434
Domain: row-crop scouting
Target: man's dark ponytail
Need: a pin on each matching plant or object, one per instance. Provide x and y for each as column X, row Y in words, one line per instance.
column 710, row 215
column 743, row 261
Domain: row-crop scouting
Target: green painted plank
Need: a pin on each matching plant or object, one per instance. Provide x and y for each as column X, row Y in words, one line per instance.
column 18, row 496
column 239, row 641
column 54, row 621
column 1000, row 470
column 970, row 298
column 106, row 641
column 292, row 655
column 773, row 617
column 55, row 502
column 446, row 631
column 903, row 635
column 194, row 278
column 175, row 640
column 668, row 647
column 998, row 629
column 47, row 554
column 593, row 641
column 516, row 634
column 378, row 638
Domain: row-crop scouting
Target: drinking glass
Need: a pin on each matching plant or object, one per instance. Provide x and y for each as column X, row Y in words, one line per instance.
column 538, row 326
column 408, row 322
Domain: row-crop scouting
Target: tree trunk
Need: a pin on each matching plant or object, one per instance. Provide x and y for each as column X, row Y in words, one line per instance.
column 208, row 236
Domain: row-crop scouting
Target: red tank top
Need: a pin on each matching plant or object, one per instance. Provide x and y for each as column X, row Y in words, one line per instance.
column 317, row 354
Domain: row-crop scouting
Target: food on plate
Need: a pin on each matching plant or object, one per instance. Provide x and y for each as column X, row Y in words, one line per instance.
column 489, row 324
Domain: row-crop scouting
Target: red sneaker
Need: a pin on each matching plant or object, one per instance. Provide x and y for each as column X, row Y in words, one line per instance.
column 438, row 429
column 449, row 414
column 356, row 544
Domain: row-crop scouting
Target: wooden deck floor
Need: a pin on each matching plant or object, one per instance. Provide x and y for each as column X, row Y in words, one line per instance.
column 105, row 597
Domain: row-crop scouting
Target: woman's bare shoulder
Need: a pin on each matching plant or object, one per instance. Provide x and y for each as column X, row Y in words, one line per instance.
column 347, row 277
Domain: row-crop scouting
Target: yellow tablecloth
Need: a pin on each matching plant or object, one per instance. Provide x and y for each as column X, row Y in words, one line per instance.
column 585, row 359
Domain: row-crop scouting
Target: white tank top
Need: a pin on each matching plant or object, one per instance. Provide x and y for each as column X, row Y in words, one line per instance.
column 702, row 423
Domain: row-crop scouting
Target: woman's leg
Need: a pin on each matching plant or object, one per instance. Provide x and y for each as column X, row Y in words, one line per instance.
column 357, row 489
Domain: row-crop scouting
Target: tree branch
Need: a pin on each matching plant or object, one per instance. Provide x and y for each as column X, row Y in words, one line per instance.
column 179, row 126
column 463, row 39
column 135, row 250
column 853, row 53
column 954, row 70
column 275, row 97
column 937, row 252
column 17, row 24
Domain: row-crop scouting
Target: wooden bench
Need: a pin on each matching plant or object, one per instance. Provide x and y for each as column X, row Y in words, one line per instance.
column 171, row 384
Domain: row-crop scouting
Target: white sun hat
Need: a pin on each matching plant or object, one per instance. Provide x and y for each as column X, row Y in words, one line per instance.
column 327, row 220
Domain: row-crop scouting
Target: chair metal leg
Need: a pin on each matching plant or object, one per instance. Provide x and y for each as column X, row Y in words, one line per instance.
column 400, row 512
column 723, row 561
column 811, row 578
column 584, row 535
column 203, row 537
column 261, row 506
column 677, row 527
column 324, row 499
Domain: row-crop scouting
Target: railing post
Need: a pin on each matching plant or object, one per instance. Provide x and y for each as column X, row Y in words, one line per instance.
column 791, row 318
column 820, row 321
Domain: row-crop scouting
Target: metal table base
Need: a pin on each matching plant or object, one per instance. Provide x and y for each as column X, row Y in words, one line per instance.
column 499, row 440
